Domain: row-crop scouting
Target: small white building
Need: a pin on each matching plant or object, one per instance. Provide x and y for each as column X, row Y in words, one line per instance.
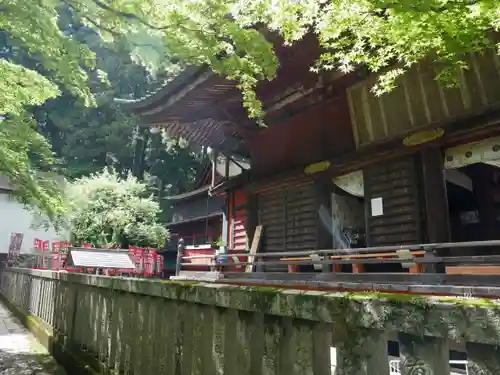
column 15, row 218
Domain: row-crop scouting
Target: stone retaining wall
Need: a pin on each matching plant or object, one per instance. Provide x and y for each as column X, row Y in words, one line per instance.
column 143, row 327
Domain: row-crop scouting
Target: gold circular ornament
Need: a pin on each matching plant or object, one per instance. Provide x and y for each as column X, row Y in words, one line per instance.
column 317, row 167
column 423, row 136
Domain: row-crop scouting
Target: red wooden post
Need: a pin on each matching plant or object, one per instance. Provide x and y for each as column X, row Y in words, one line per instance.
column 358, row 268
column 293, row 268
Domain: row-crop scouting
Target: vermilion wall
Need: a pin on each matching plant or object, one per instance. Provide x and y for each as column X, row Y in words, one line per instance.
column 317, row 133
column 238, row 219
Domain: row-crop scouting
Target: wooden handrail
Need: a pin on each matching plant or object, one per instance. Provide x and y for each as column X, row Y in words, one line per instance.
column 417, row 258
column 324, row 252
column 360, row 256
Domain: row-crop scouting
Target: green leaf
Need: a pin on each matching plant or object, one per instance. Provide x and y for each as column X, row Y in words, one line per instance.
column 20, row 87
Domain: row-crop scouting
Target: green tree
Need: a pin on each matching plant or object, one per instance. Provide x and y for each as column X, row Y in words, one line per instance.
column 385, row 36
column 85, row 139
column 88, row 139
column 19, row 146
column 220, row 33
column 108, row 209
column 173, row 162
column 55, row 61
column 230, row 35
column 227, row 35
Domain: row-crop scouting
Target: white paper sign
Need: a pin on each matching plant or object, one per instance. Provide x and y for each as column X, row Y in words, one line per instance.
column 377, row 207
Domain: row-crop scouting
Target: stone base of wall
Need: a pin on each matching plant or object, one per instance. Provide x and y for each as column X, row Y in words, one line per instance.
column 104, row 325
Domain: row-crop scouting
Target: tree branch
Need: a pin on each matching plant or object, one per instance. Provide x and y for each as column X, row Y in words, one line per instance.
column 107, row 29
column 426, row 9
column 127, row 15
column 101, row 27
column 115, row 33
column 135, row 17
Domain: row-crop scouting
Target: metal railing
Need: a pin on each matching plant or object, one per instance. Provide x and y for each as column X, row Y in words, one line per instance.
column 431, row 256
column 431, row 268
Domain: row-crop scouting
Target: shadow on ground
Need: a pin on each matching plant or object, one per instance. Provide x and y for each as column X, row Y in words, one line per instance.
column 28, row 364
column 20, row 352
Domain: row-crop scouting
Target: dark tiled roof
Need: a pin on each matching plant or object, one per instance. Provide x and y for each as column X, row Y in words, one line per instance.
column 164, row 90
column 189, row 194
column 192, row 220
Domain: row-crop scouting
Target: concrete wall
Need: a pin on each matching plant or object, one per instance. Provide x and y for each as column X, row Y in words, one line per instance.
column 150, row 327
column 15, row 218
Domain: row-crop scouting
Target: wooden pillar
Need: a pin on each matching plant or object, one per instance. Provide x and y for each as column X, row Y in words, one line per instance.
column 358, row 268
column 292, row 268
column 324, row 189
column 180, row 254
column 437, row 222
column 225, row 225
column 253, row 216
column 436, row 201
column 252, row 222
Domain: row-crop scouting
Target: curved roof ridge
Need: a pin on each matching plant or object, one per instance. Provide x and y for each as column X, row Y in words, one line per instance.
column 190, row 193
column 167, row 88
column 146, row 96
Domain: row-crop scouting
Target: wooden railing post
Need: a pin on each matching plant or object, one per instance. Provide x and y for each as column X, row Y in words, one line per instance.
column 432, row 267
column 180, row 254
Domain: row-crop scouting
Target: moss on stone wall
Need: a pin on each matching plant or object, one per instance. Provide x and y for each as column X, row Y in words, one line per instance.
column 458, row 318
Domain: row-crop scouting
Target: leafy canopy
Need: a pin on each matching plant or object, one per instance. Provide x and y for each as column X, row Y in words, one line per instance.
column 54, row 82
column 387, row 36
column 225, row 34
column 383, row 35
column 18, row 141
column 108, row 209
column 86, row 140
column 55, row 61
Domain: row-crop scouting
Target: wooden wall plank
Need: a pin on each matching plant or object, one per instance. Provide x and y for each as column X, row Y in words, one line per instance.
column 396, row 182
column 420, row 101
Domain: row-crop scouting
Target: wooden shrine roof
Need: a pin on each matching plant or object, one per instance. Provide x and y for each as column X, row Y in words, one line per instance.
column 206, row 109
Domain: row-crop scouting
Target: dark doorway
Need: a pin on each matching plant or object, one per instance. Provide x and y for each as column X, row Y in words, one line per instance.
column 474, row 205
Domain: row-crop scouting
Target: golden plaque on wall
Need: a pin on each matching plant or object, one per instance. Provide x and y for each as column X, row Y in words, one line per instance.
column 317, row 167
column 422, row 137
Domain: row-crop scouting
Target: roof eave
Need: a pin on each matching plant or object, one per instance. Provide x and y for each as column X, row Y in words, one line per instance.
column 192, row 220
column 178, row 84
column 189, row 194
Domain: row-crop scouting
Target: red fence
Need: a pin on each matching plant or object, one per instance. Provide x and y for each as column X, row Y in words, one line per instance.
column 146, row 260
column 200, row 264
column 199, row 239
